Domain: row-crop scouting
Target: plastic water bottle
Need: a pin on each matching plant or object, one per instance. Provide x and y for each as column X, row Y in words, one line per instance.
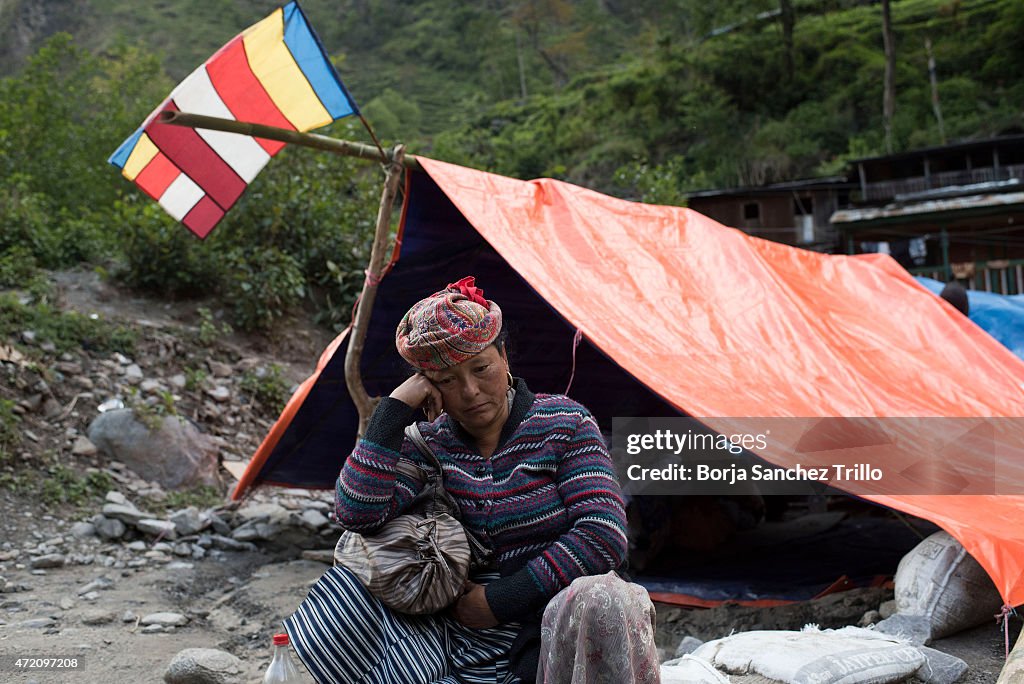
column 281, row 669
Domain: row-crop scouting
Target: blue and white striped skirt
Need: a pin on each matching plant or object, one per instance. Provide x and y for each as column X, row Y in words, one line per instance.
column 345, row 635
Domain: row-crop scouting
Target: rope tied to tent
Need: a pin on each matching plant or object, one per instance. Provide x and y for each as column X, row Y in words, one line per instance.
column 575, row 343
column 1004, row 616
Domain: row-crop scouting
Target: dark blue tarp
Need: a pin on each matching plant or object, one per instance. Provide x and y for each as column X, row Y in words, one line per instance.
column 1001, row 316
column 439, row 247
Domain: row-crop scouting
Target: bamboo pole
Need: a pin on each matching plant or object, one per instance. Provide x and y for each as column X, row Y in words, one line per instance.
column 347, row 148
column 357, row 336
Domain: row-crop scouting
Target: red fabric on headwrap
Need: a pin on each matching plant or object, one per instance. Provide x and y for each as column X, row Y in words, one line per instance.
column 467, row 287
column 448, row 327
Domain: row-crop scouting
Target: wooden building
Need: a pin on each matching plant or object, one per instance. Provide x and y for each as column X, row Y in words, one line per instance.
column 955, row 211
column 962, row 204
column 795, row 213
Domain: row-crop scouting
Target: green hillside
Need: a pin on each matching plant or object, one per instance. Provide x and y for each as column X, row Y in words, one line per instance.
column 597, row 92
column 726, row 111
column 642, row 99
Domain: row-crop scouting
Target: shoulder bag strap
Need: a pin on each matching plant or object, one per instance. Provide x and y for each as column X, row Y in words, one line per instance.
column 416, row 437
column 479, row 550
column 441, row 500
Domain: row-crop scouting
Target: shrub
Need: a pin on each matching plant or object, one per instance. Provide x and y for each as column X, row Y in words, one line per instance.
column 267, row 387
column 194, row 379
column 209, row 331
column 17, row 266
column 262, row 285
column 162, row 257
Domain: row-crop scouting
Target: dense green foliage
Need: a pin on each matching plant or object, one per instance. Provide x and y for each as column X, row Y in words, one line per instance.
column 726, row 111
column 299, row 234
column 65, row 111
column 644, row 99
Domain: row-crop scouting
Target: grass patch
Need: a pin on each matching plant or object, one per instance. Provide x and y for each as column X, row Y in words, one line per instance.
column 203, row 496
column 64, row 485
column 66, row 330
column 152, row 414
column 56, row 484
column 10, row 437
column 267, row 387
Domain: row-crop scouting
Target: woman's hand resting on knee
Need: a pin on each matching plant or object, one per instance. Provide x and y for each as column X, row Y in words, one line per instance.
column 472, row 609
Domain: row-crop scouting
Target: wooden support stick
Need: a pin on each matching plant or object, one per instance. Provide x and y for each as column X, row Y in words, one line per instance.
column 397, row 162
column 357, row 336
column 1013, row 668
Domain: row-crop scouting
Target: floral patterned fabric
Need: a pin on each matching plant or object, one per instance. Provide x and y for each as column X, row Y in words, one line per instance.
column 599, row 630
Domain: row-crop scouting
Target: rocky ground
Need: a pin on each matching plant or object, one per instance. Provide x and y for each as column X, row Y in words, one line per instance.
column 103, row 565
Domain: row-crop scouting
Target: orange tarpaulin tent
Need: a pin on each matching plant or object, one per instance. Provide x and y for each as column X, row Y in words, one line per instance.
column 719, row 324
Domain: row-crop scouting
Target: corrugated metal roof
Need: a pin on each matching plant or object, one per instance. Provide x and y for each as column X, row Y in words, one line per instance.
column 962, row 190
column 934, row 206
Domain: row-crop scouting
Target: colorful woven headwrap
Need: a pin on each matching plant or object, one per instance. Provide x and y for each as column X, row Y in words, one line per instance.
column 448, row 327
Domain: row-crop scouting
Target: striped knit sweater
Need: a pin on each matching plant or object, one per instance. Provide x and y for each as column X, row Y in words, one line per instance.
column 547, row 499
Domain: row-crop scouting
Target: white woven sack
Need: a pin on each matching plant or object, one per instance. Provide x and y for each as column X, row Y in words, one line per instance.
column 690, row 670
column 845, row 656
column 939, row 580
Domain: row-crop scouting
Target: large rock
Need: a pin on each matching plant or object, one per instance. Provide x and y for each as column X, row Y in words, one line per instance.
column 189, row 521
column 83, row 530
column 313, row 520
column 204, row 666
column 109, row 528
column 50, row 560
column 126, row 513
column 165, row 619
column 176, row 455
column 160, row 528
column 263, row 512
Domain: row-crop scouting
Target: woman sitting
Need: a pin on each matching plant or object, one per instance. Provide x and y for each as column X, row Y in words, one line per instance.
column 533, row 480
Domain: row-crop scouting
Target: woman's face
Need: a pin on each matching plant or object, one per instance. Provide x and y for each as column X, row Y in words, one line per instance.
column 474, row 391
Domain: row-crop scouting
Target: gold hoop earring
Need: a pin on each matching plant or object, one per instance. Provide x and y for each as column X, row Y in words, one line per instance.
column 511, row 380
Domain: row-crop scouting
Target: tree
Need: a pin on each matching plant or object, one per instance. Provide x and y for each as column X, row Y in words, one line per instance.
column 788, row 18
column 539, row 19
column 889, row 95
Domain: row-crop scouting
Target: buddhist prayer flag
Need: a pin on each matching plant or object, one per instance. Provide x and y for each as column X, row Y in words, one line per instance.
column 275, row 73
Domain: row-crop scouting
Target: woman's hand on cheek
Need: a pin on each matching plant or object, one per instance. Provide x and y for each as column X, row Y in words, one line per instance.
column 419, row 392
